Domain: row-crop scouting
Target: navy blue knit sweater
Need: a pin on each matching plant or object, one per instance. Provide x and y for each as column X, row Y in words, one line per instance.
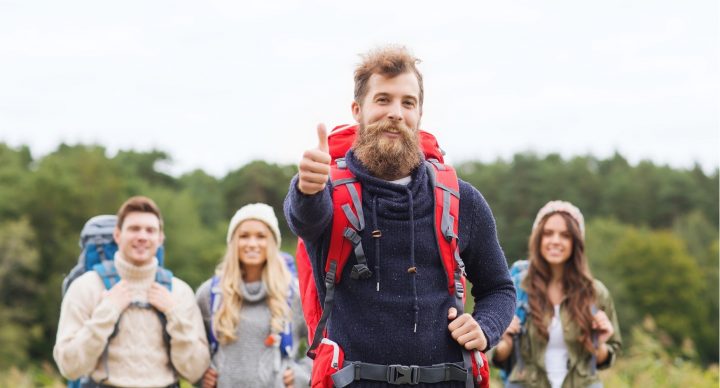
column 379, row 326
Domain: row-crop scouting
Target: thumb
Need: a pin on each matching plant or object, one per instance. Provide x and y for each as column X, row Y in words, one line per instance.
column 322, row 138
column 452, row 313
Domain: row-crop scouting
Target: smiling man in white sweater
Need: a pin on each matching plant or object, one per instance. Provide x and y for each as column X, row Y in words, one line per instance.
column 139, row 333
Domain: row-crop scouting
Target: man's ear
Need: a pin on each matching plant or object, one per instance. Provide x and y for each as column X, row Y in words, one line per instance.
column 116, row 235
column 162, row 237
column 355, row 108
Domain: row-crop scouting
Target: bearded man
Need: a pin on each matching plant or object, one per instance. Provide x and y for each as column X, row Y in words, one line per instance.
column 402, row 315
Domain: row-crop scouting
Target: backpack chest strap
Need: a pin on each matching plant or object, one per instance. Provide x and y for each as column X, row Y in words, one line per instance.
column 397, row 374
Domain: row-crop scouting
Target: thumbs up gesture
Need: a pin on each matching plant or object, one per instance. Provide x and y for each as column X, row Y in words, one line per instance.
column 314, row 167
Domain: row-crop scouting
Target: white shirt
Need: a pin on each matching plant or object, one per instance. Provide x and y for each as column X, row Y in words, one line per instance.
column 402, row 181
column 556, row 355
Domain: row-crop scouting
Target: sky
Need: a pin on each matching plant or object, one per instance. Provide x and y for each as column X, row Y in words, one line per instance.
column 219, row 83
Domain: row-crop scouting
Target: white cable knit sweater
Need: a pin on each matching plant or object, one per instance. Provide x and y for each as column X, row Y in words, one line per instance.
column 137, row 355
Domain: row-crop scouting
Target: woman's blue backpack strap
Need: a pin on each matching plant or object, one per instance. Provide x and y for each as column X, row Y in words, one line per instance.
column 215, row 299
column 286, row 336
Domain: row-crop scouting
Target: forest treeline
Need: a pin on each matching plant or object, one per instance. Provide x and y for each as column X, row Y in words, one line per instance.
column 652, row 231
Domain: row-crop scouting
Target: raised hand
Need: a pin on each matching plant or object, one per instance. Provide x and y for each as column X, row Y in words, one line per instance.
column 314, row 167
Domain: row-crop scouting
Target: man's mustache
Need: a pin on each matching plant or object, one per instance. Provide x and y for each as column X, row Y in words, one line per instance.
column 386, row 125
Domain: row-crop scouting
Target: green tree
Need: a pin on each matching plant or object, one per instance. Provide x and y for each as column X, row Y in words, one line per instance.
column 660, row 278
column 144, row 165
column 258, row 181
column 67, row 187
column 19, row 265
column 14, row 177
column 701, row 239
column 208, row 195
column 192, row 250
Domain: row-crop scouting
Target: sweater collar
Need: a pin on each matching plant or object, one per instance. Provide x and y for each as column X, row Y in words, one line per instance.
column 132, row 272
column 254, row 291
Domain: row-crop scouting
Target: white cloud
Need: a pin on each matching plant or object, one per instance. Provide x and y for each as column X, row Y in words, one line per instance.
column 219, row 83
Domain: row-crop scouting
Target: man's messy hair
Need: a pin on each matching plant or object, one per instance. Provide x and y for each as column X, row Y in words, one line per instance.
column 389, row 61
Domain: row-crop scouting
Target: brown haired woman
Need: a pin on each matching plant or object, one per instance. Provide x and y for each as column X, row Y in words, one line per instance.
column 565, row 327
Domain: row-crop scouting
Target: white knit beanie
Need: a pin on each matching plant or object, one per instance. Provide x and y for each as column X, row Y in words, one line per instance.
column 255, row 211
column 563, row 207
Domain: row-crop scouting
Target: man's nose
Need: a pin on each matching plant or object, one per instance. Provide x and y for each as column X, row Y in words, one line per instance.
column 395, row 112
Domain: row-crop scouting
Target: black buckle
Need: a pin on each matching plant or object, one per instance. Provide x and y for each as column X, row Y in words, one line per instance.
column 403, row 374
column 360, row 271
column 459, row 289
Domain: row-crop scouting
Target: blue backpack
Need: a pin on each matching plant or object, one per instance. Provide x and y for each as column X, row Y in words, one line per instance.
column 98, row 248
column 286, row 338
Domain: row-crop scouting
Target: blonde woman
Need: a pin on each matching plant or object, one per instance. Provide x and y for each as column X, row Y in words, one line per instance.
column 251, row 308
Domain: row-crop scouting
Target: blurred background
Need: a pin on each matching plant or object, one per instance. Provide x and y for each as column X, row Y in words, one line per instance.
column 207, row 107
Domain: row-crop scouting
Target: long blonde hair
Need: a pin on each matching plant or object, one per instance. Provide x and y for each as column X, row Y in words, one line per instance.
column 276, row 278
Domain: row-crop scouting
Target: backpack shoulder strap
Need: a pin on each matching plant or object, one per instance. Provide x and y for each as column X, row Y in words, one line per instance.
column 215, row 299
column 348, row 221
column 164, row 277
column 518, row 271
column 447, row 214
column 108, row 273
column 447, row 211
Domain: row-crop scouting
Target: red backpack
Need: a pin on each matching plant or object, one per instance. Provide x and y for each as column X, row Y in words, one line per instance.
column 348, row 221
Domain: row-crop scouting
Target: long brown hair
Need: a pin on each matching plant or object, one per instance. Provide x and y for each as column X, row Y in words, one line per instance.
column 577, row 282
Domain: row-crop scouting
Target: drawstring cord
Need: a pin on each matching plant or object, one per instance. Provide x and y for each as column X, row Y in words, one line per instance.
column 413, row 268
column 376, row 235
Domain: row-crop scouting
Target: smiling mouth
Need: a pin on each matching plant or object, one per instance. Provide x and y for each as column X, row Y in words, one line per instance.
column 392, row 134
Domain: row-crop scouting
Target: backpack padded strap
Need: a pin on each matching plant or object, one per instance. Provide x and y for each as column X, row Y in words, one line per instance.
column 330, row 282
column 447, row 210
column 164, row 277
column 215, row 298
column 339, row 247
column 108, row 273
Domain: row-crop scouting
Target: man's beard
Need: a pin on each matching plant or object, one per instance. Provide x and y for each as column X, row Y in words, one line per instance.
column 388, row 158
